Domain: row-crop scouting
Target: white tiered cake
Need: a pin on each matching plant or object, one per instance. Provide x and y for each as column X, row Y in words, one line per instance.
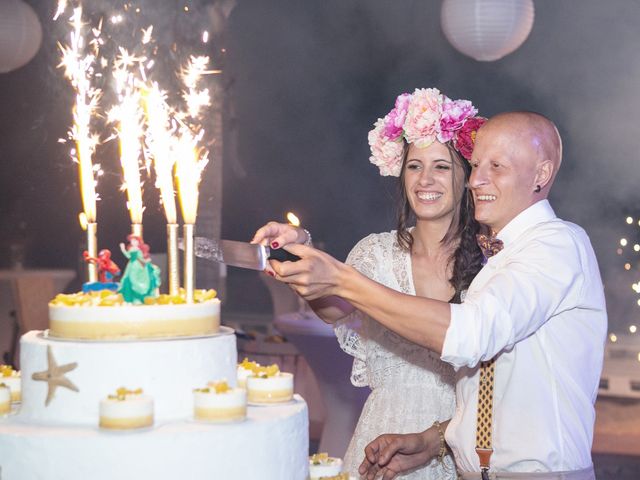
column 54, row 434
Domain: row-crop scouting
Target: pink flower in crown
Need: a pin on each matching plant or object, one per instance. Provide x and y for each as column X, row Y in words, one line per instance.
column 465, row 138
column 386, row 153
column 394, row 121
column 454, row 115
column 423, row 117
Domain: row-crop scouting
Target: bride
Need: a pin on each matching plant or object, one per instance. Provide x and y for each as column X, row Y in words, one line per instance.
column 433, row 253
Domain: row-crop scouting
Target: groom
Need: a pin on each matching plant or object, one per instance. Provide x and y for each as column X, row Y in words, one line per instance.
column 537, row 308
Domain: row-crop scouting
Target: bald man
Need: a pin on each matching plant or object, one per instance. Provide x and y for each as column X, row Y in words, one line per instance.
column 537, row 307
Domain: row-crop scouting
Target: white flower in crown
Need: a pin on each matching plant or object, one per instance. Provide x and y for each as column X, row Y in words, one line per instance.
column 385, row 152
column 423, row 118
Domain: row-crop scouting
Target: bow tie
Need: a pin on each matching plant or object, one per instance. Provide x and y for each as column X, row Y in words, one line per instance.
column 489, row 245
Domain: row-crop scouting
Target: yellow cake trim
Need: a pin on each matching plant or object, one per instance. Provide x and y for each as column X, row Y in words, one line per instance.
column 97, row 330
column 126, row 423
column 270, row 396
column 220, row 414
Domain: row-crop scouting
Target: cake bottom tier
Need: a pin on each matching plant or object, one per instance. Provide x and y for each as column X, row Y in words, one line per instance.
column 271, row 444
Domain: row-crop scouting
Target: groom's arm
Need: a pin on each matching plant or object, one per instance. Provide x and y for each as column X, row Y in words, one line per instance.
column 421, row 320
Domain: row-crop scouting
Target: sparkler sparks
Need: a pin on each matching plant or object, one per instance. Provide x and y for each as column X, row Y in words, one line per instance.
column 190, row 158
column 191, row 75
column 159, row 137
column 146, row 123
column 79, row 69
column 62, row 6
column 128, row 117
column 190, row 163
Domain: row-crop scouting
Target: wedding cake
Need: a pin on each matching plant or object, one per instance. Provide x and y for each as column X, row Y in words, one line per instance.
column 69, row 424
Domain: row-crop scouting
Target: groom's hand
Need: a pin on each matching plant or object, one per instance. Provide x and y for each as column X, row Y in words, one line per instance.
column 392, row 454
column 315, row 275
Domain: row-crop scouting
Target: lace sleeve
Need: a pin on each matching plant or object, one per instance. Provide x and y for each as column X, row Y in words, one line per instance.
column 349, row 330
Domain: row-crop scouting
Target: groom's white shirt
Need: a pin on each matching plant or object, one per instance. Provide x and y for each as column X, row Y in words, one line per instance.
column 539, row 306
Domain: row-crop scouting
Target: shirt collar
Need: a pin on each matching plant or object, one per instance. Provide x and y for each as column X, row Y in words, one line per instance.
column 539, row 212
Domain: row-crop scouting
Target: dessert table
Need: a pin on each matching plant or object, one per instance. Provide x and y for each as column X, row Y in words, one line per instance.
column 332, row 368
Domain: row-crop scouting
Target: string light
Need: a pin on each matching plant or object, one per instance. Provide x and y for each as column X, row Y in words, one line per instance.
column 633, row 329
column 623, row 242
column 613, row 337
column 629, row 220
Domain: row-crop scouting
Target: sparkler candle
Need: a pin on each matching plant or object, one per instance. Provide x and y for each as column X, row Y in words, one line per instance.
column 172, row 259
column 158, row 139
column 190, row 162
column 188, row 170
column 79, row 69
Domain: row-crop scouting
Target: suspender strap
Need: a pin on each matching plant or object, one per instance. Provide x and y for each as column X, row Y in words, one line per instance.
column 485, row 416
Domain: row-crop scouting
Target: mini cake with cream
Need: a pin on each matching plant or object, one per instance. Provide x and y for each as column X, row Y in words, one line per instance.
column 219, row 402
column 245, row 370
column 5, row 399
column 105, row 315
column 321, row 465
column 11, row 378
column 126, row 409
column 269, row 385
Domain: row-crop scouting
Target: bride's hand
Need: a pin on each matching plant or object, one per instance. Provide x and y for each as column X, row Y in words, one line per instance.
column 277, row 235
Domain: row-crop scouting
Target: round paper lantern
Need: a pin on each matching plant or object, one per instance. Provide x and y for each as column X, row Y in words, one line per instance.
column 20, row 34
column 487, row 29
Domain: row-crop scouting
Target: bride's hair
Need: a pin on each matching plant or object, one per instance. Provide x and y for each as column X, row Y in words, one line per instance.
column 467, row 257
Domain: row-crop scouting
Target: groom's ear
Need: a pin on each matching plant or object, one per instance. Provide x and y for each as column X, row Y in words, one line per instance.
column 544, row 173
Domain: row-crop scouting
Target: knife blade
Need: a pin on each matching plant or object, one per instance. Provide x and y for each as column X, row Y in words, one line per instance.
column 239, row 254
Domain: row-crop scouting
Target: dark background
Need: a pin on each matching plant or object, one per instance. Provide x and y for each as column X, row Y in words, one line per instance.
column 305, row 81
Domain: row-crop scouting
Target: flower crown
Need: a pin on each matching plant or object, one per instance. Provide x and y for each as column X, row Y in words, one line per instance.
column 422, row 117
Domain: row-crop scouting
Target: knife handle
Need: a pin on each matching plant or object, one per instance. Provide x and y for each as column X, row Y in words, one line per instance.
column 281, row 255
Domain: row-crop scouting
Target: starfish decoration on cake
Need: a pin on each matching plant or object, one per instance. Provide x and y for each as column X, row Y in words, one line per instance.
column 55, row 377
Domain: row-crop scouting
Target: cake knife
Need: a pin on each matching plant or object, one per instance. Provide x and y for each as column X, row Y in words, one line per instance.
column 239, row 254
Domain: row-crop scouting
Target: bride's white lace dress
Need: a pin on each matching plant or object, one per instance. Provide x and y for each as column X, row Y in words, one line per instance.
column 410, row 386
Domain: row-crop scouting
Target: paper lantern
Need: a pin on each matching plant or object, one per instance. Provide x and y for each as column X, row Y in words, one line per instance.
column 20, row 34
column 487, row 30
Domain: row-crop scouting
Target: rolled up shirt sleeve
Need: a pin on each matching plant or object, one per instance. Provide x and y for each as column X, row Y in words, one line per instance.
column 519, row 294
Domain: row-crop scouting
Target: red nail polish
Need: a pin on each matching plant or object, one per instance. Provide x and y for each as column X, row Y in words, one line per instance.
column 275, row 245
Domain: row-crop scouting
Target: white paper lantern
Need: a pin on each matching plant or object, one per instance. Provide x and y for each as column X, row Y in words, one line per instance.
column 487, row 29
column 20, row 34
